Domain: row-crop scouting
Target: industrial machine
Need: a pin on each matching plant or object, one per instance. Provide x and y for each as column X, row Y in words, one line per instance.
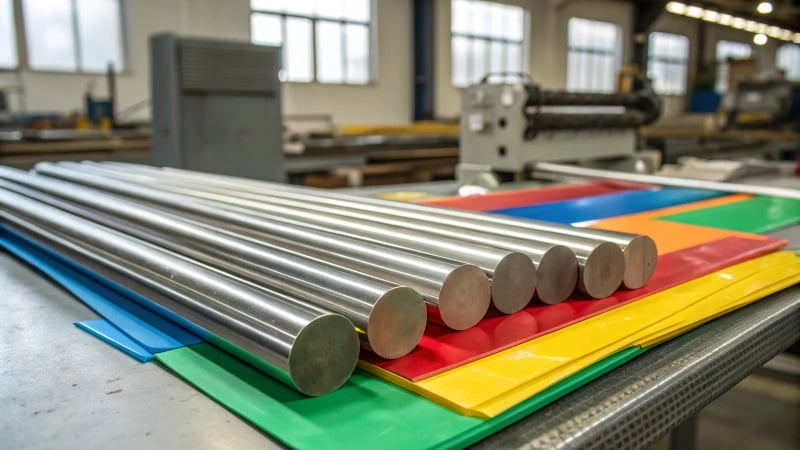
column 506, row 127
column 765, row 104
column 217, row 106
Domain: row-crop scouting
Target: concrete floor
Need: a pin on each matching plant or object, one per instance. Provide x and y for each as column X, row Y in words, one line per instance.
column 762, row 412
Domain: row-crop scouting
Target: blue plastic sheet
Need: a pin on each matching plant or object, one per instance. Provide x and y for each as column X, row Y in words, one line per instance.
column 609, row 205
column 114, row 303
column 108, row 333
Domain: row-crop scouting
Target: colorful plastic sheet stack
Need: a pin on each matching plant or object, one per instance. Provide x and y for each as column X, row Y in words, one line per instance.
column 493, row 374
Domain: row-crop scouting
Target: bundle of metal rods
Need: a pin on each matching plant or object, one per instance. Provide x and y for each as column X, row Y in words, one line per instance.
column 295, row 276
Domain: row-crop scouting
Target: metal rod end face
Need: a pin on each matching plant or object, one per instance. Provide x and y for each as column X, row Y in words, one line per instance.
column 558, row 275
column 324, row 355
column 396, row 323
column 465, row 297
column 514, row 283
column 641, row 256
column 603, row 271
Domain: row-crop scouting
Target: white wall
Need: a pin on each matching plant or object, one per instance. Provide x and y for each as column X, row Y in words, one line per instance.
column 388, row 100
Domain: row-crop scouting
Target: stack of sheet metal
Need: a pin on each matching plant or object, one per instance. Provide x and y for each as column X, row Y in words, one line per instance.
column 294, row 276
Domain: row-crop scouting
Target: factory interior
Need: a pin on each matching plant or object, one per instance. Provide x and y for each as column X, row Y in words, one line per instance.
column 400, row 224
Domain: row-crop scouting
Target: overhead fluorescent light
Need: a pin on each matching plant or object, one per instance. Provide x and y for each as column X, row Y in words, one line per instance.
column 739, row 23
column 695, row 11
column 764, row 7
column 676, row 8
column 773, row 32
column 760, row 39
column 711, row 16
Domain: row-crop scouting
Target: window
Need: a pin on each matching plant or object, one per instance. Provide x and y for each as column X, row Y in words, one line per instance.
column 8, row 37
column 74, row 35
column 486, row 37
column 326, row 41
column 725, row 51
column 788, row 59
column 667, row 62
column 593, row 57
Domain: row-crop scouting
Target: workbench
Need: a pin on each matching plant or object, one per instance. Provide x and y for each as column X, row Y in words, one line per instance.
column 62, row 388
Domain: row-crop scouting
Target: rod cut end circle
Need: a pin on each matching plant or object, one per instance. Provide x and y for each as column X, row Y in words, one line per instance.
column 324, row 355
column 465, row 297
column 396, row 323
column 641, row 256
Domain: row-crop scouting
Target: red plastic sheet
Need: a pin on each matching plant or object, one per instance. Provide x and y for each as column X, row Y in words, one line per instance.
column 523, row 197
column 442, row 349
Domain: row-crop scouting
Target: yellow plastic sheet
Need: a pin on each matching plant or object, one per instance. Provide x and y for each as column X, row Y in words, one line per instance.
column 489, row 386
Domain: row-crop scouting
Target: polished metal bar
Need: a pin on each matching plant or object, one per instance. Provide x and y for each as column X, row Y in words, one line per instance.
column 601, row 264
column 640, row 252
column 458, row 294
column 391, row 318
column 310, row 349
column 513, row 273
column 558, row 171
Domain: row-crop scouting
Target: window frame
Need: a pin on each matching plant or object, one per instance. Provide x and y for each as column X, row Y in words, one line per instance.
column 616, row 53
column 669, row 60
column 724, row 63
column 778, row 51
column 314, row 19
column 23, row 51
column 18, row 37
column 488, row 40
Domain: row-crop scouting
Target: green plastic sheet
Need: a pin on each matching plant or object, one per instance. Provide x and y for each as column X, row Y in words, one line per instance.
column 754, row 215
column 366, row 412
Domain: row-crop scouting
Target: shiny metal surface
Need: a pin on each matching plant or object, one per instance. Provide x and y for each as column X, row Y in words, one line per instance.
column 513, row 274
column 559, row 171
column 390, row 318
column 458, row 294
column 602, row 265
column 639, row 251
column 550, row 258
column 310, row 349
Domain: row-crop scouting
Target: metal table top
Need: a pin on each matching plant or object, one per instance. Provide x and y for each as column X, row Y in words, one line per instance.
column 61, row 388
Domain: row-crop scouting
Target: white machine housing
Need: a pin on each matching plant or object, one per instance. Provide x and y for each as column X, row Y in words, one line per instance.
column 492, row 136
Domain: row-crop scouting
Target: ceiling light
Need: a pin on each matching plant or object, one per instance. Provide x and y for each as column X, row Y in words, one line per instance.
column 797, row 38
column 738, row 23
column 764, row 7
column 751, row 26
column 711, row 16
column 773, row 32
column 760, row 39
column 725, row 19
column 676, row 8
column 695, row 12
column 761, row 28
column 786, row 35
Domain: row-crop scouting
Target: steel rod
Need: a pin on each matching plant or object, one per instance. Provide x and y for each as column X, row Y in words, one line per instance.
column 513, row 273
column 312, row 350
column 458, row 294
column 391, row 318
column 549, row 170
column 601, row 264
column 640, row 252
